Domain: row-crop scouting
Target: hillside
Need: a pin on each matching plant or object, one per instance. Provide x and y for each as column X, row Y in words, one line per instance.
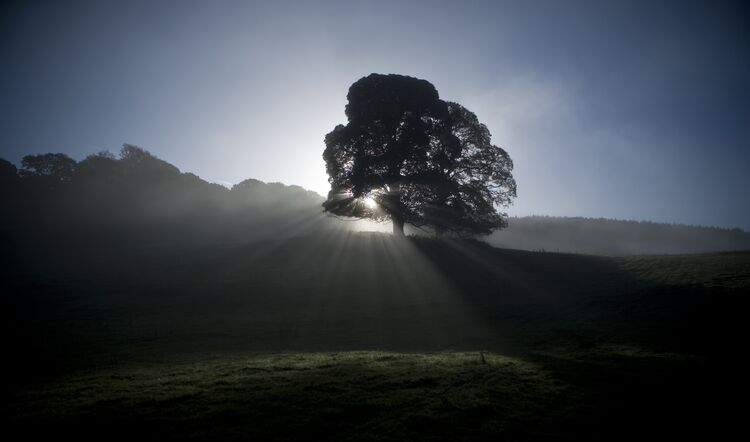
column 307, row 329
column 599, row 236
column 143, row 199
column 142, row 302
column 349, row 291
column 138, row 198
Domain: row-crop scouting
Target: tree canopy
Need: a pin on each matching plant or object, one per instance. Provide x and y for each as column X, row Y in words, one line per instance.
column 408, row 156
column 54, row 165
column 53, row 202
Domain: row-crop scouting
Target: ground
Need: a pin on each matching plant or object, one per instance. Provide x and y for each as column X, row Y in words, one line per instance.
column 368, row 339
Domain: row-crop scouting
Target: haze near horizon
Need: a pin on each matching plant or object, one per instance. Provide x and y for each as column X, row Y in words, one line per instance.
column 627, row 111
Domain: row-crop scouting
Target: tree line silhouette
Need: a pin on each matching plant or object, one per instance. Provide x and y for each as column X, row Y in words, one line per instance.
column 137, row 198
column 54, row 203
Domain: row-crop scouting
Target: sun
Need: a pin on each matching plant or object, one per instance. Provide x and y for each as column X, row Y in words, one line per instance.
column 369, row 202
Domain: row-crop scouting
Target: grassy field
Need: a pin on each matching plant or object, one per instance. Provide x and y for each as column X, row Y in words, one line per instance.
column 370, row 395
column 360, row 337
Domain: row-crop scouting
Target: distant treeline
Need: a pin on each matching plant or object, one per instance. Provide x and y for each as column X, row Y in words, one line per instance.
column 138, row 199
column 601, row 236
column 106, row 202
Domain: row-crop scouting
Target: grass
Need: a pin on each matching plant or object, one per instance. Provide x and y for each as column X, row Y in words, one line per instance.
column 729, row 270
column 334, row 395
column 357, row 337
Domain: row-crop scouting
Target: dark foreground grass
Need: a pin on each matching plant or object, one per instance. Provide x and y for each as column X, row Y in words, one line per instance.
column 363, row 395
column 360, row 337
column 608, row 393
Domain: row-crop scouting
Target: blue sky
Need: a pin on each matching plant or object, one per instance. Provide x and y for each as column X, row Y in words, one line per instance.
column 630, row 110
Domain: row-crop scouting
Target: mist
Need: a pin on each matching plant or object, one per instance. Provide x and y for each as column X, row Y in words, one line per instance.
column 373, row 220
column 121, row 269
column 136, row 199
column 615, row 237
column 608, row 112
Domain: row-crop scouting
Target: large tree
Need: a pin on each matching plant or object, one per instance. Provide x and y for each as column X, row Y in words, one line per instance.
column 407, row 155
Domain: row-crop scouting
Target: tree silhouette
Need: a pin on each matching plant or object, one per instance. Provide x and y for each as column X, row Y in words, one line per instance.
column 8, row 172
column 56, row 166
column 407, row 155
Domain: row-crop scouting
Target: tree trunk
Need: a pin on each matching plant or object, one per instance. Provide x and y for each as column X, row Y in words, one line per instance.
column 398, row 226
column 394, row 194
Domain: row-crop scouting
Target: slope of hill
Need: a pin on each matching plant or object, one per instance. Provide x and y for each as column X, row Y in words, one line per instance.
column 352, row 291
column 614, row 237
column 139, row 198
column 141, row 302
column 145, row 343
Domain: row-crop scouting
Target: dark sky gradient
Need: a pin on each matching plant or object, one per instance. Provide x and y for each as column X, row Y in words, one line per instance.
column 630, row 110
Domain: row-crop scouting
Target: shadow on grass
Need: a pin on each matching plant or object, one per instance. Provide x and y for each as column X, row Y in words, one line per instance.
column 343, row 292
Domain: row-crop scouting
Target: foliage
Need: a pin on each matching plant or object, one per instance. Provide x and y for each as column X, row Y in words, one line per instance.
column 423, row 161
column 51, row 169
column 8, row 171
column 137, row 198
